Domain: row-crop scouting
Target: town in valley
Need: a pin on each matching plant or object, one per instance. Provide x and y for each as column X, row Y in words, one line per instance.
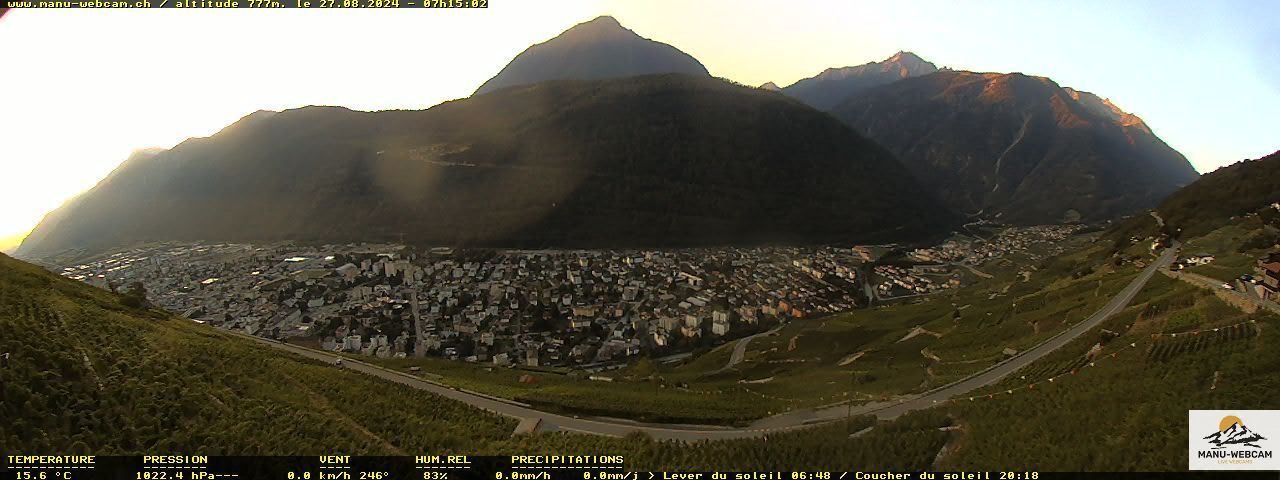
column 586, row 308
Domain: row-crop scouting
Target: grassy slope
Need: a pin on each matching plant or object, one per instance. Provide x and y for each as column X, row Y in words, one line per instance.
column 87, row 375
column 1128, row 412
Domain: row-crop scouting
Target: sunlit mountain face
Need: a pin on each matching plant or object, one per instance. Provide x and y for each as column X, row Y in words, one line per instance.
column 1019, row 148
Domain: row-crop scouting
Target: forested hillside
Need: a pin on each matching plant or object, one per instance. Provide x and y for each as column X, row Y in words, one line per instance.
column 643, row 161
column 1237, row 189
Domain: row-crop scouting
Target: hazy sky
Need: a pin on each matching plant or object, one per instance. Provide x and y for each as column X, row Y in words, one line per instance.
column 81, row 89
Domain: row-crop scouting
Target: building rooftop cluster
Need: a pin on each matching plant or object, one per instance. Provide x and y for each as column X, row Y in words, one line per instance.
column 900, row 281
column 930, row 273
column 544, row 307
column 534, row 307
column 975, row 251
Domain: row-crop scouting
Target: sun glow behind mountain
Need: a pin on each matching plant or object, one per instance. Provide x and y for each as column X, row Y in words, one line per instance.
column 153, row 78
column 8, row 243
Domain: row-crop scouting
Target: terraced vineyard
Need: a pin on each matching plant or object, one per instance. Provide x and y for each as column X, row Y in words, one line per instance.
column 1046, row 370
column 1126, row 407
column 1167, row 347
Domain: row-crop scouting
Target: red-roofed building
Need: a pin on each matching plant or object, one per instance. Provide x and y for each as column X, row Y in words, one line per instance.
column 1269, row 276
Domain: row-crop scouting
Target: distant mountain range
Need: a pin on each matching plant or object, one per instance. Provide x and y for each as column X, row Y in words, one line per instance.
column 1018, row 148
column 662, row 160
column 833, row 85
column 599, row 137
column 594, row 50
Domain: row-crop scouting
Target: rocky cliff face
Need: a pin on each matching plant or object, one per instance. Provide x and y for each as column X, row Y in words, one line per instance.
column 1019, row 148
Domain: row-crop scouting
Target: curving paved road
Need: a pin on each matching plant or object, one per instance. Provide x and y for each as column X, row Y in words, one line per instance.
column 777, row 423
column 740, row 350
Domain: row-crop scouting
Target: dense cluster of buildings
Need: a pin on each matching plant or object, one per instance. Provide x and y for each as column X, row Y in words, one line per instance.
column 540, row 307
column 899, row 281
column 972, row 251
column 928, row 272
column 530, row 307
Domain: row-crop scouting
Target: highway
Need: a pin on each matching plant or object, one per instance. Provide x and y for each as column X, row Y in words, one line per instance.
column 774, row 424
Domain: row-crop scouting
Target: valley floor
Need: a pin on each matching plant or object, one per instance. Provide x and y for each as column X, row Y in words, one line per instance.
column 87, row 373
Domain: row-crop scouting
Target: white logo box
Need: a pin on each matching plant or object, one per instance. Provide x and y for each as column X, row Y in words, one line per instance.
column 1233, row 439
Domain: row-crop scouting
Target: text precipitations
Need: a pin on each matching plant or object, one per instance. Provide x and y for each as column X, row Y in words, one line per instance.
column 540, row 467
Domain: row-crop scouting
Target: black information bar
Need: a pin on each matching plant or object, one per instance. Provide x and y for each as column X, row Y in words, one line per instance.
column 458, row 467
column 211, row 4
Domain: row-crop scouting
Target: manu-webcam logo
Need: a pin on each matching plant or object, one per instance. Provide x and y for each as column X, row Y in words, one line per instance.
column 1233, row 444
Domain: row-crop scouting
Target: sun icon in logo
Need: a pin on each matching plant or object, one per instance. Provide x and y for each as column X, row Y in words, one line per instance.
column 1231, row 431
column 1228, row 421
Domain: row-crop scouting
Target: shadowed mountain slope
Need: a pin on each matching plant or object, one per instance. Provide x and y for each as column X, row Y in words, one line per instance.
column 827, row 89
column 645, row 161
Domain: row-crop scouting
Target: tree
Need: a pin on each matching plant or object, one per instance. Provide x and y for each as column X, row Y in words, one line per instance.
column 135, row 296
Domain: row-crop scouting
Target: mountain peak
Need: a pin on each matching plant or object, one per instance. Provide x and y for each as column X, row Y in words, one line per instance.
column 771, row 87
column 912, row 63
column 825, row 90
column 604, row 21
column 905, row 56
column 603, row 26
column 597, row 49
